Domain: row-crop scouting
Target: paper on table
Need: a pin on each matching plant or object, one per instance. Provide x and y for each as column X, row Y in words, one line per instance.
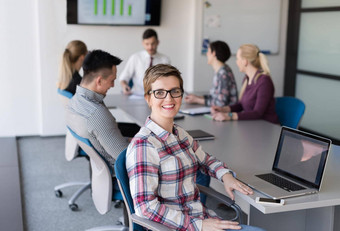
column 136, row 97
column 196, row 110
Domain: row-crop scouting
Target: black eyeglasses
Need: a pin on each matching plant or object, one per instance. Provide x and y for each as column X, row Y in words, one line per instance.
column 162, row 94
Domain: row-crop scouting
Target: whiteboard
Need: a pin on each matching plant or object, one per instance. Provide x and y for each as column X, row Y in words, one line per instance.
column 243, row 21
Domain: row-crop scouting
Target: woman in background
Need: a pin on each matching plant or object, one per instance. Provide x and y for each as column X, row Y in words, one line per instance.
column 224, row 89
column 72, row 60
column 256, row 100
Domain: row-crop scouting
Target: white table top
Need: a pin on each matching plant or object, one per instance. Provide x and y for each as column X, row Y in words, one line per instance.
column 246, row 147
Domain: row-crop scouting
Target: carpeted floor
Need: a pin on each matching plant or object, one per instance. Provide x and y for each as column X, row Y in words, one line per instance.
column 43, row 166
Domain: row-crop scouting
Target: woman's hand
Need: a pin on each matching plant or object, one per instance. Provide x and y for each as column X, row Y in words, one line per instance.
column 218, row 225
column 191, row 98
column 216, row 109
column 220, row 116
column 230, row 183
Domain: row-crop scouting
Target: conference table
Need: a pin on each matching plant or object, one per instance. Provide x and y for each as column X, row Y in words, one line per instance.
column 249, row 147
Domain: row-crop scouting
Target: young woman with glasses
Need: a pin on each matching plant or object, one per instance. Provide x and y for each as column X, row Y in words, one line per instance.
column 162, row 161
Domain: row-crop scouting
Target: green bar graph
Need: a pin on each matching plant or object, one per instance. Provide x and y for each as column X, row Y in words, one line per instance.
column 121, row 7
column 113, row 7
column 130, row 10
column 95, row 7
column 104, row 7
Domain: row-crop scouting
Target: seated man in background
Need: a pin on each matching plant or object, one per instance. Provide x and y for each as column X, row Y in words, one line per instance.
column 86, row 113
column 139, row 62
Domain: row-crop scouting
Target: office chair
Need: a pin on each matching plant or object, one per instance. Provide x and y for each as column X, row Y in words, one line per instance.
column 72, row 151
column 104, row 187
column 65, row 96
column 289, row 110
column 136, row 222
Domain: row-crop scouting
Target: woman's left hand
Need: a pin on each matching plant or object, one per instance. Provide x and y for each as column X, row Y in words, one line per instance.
column 220, row 116
column 190, row 98
column 230, row 183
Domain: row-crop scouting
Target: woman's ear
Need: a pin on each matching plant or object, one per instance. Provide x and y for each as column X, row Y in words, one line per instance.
column 245, row 62
column 147, row 99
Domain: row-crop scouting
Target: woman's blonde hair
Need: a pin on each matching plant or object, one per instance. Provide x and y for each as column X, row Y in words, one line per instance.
column 256, row 58
column 73, row 51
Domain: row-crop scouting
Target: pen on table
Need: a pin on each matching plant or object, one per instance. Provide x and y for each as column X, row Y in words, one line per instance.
column 208, row 116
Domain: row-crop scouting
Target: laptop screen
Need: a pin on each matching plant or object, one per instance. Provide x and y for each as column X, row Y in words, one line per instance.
column 301, row 156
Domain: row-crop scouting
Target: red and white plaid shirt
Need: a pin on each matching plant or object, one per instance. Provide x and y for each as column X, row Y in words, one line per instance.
column 162, row 172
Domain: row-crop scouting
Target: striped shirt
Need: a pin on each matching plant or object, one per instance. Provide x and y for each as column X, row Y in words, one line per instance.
column 162, row 170
column 88, row 116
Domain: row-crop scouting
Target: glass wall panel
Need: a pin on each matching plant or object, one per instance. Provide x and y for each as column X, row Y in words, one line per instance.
column 319, row 43
column 319, row 3
column 322, row 99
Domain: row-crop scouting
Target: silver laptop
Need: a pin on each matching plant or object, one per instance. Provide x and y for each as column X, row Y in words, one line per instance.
column 298, row 166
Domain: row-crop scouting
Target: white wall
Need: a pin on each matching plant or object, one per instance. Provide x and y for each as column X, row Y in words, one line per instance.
column 34, row 41
column 19, row 104
column 203, row 73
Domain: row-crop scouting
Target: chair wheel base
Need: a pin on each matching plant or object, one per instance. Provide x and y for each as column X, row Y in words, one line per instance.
column 58, row 193
column 117, row 204
column 73, row 207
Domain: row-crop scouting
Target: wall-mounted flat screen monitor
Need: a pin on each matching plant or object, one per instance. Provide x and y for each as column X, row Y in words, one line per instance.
column 114, row 12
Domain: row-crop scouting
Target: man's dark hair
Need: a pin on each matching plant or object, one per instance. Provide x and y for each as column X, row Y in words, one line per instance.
column 150, row 33
column 96, row 61
column 221, row 49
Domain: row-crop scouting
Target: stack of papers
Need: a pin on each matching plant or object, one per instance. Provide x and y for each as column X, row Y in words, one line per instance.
column 195, row 111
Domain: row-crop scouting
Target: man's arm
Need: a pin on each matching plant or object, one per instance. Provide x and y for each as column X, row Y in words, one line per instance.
column 127, row 74
column 125, row 87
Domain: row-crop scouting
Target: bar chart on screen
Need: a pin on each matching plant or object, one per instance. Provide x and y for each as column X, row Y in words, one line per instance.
column 112, row 11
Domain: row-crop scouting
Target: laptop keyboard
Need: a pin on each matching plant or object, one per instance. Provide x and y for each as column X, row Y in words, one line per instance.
column 280, row 182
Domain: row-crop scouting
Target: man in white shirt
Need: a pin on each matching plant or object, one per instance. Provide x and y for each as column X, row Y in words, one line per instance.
column 139, row 62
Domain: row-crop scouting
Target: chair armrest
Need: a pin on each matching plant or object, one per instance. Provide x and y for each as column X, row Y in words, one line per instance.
column 218, row 196
column 223, row 199
column 149, row 224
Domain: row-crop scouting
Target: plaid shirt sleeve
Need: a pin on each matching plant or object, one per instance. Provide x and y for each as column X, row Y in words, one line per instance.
column 209, row 164
column 143, row 169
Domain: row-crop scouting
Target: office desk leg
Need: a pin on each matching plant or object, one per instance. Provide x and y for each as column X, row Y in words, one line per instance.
column 336, row 218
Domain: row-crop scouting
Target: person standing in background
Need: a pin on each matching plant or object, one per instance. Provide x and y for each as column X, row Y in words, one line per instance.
column 224, row 89
column 72, row 60
column 139, row 62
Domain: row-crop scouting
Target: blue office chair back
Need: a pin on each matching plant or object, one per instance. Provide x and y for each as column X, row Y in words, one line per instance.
column 103, row 189
column 123, row 179
column 289, row 110
column 65, row 93
column 65, row 96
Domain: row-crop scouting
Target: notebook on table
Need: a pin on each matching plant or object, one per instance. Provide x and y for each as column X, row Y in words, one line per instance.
column 201, row 135
column 298, row 167
column 195, row 111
